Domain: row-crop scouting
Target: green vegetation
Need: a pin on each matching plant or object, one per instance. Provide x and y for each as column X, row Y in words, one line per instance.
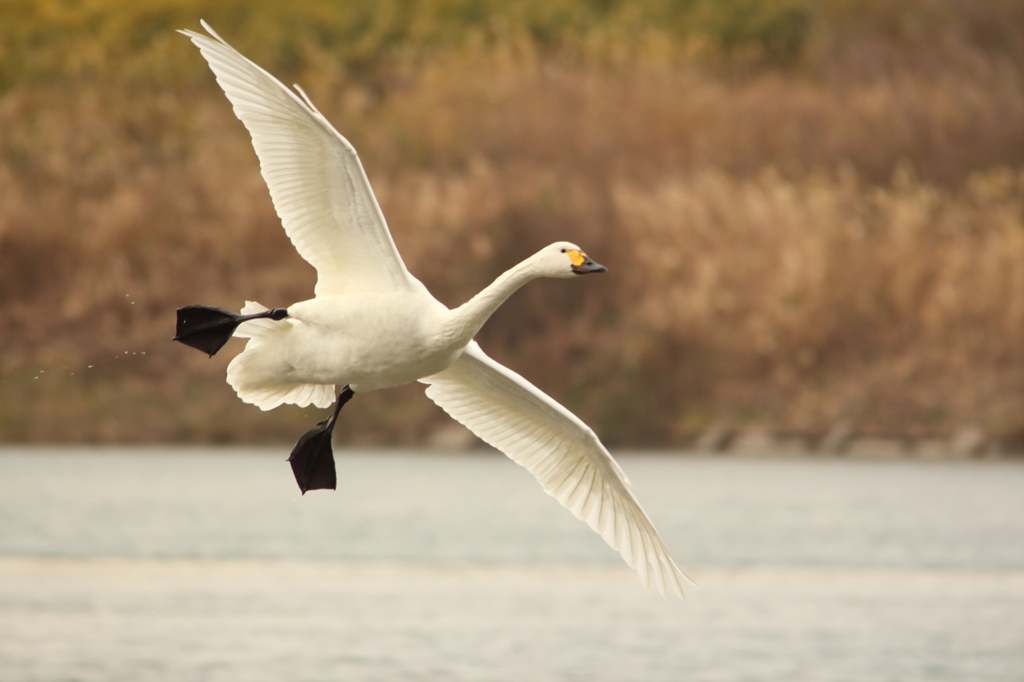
column 812, row 211
column 49, row 40
column 44, row 41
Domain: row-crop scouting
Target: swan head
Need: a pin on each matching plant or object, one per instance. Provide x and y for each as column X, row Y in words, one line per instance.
column 565, row 259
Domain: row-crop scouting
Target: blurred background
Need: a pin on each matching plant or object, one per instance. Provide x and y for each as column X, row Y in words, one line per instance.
column 812, row 212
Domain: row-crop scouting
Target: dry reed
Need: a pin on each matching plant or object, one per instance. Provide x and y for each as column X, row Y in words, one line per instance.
column 788, row 247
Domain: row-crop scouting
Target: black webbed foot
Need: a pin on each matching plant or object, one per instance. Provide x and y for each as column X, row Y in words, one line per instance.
column 208, row 328
column 205, row 327
column 312, row 458
column 312, row 461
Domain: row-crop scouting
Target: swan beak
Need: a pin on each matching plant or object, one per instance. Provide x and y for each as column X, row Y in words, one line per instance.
column 588, row 267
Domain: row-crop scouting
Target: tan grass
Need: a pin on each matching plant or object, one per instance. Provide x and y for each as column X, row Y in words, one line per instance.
column 787, row 247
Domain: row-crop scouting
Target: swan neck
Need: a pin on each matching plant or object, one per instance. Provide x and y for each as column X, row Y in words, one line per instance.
column 467, row 319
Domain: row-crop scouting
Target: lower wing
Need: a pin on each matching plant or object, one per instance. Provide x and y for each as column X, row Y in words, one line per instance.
column 514, row 416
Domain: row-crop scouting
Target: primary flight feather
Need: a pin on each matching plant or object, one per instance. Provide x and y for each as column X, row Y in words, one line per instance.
column 373, row 325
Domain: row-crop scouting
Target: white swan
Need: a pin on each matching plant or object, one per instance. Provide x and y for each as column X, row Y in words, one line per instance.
column 373, row 325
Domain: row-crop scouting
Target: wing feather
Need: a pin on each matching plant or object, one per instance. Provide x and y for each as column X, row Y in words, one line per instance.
column 316, row 181
column 563, row 453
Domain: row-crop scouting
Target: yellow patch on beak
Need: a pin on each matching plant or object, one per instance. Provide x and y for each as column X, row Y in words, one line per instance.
column 577, row 257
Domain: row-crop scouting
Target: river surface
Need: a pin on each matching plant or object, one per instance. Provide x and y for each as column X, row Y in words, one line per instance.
column 153, row 564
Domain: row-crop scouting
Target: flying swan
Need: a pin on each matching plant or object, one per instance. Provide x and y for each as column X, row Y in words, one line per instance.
column 373, row 325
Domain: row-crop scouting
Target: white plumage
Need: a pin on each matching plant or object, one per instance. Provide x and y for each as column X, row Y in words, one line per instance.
column 373, row 325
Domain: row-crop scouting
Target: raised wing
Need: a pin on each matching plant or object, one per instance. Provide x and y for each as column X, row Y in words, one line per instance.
column 316, row 181
column 565, row 455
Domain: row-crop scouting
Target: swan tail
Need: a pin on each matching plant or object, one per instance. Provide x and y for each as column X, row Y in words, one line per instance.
column 268, row 396
column 258, row 387
column 255, row 374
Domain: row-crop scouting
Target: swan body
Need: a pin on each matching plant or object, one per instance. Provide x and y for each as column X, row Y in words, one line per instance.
column 368, row 341
column 372, row 325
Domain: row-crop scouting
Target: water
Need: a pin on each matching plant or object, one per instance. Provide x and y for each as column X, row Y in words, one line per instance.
column 199, row 565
